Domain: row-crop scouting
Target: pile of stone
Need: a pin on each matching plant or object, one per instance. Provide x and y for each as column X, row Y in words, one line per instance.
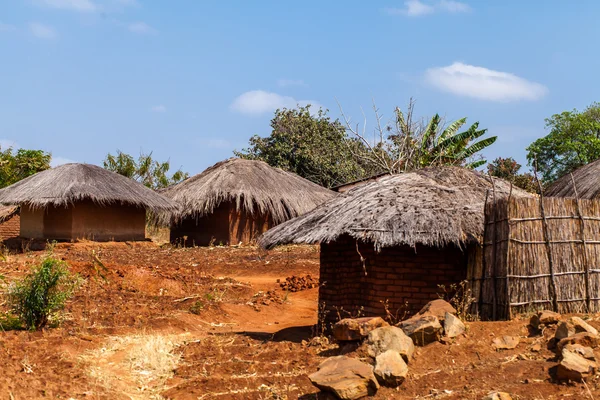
column 574, row 342
column 297, row 283
column 389, row 348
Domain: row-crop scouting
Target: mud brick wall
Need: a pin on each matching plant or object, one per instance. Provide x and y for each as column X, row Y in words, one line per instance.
column 10, row 228
column 406, row 277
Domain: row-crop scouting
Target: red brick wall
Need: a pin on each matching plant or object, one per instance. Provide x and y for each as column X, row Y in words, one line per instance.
column 407, row 278
column 11, row 228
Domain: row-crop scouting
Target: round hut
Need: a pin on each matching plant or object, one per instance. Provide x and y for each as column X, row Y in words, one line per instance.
column 388, row 244
column 236, row 200
column 83, row 201
column 587, row 184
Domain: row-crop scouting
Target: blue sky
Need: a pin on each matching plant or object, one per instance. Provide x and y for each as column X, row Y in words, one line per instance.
column 193, row 80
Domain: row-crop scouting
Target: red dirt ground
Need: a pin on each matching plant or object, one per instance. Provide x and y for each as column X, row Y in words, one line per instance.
column 246, row 339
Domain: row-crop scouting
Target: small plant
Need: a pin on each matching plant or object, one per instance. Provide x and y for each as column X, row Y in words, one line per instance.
column 394, row 318
column 42, row 293
column 197, row 307
column 461, row 298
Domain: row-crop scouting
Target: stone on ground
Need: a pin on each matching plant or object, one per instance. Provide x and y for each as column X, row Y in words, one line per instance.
column 574, row 367
column 346, row 377
column 387, row 338
column 582, row 326
column 505, row 342
column 563, row 330
column 545, row 317
column 390, row 368
column 453, row 326
column 497, row 396
column 585, row 352
column 422, row 329
column 437, row 308
column 349, row 329
column 583, row 339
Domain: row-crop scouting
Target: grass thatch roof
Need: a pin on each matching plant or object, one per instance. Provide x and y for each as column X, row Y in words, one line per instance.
column 69, row 183
column 587, row 181
column 432, row 206
column 254, row 186
column 7, row 212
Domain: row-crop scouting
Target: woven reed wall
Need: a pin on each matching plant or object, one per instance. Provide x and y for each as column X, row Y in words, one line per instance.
column 539, row 253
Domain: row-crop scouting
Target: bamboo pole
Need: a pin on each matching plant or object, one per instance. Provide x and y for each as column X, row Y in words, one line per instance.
column 506, row 260
column 483, row 259
column 586, row 265
column 494, row 274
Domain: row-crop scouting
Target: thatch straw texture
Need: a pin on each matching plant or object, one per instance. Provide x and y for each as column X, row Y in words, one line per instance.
column 533, row 263
column 587, row 180
column 68, row 183
column 7, row 212
column 253, row 186
column 433, row 206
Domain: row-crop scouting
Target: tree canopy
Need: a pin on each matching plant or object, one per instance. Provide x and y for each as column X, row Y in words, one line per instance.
column 18, row 165
column 573, row 141
column 145, row 169
column 508, row 169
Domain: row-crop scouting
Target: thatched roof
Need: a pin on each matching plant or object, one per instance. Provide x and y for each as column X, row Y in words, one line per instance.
column 254, row 186
column 432, row 206
column 7, row 212
column 587, row 181
column 69, row 183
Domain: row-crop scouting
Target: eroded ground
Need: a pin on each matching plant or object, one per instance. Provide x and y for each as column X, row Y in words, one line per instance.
column 212, row 323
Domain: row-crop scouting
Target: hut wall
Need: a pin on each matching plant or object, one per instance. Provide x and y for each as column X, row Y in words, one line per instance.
column 32, row 222
column 405, row 277
column 225, row 226
column 10, row 228
column 118, row 222
column 535, row 260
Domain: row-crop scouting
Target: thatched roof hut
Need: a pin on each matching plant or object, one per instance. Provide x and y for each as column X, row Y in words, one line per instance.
column 236, row 199
column 432, row 207
column 587, row 183
column 390, row 243
column 10, row 222
column 75, row 201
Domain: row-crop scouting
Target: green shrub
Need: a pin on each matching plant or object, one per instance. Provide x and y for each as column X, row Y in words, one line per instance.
column 41, row 293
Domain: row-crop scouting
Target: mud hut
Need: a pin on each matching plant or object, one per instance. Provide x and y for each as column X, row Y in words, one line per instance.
column 236, row 200
column 387, row 245
column 587, row 183
column 77, row 201
column 10, row 222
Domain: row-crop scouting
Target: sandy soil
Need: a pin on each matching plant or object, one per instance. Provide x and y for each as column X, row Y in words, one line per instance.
column 132, row 334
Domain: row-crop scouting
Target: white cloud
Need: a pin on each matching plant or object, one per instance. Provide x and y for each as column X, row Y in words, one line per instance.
column 56, row 161
column 158, row 109
column 257, row 102
column 73, row 5
column 417, row 8
column 290, row 82
column 141, row 28
column 484, row 84
column 42, row 31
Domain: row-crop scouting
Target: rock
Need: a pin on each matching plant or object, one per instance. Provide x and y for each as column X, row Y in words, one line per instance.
column 390, row 368
column 563, row 330
column 544, row 318
column 387, row 338
column 356, row 328
column 585, row 352
column 583, row 338
column 437, row 308
column 422, row 329
column 497, row 396
column 582, row 326
column 453, row 326
column 536, row 348
column 346, row 377
column 574, row 367
column 505, row 342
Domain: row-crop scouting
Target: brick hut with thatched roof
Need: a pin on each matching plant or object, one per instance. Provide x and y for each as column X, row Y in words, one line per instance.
column 391, row 242
column 587, row 183
column 236, row 200
column 82, row 201
column 10, row 222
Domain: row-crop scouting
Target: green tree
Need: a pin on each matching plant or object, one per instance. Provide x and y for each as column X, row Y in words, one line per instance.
column 573, row 141
column 18, row 165
column 508, row 169
column 145, row 169
column 310, row 145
